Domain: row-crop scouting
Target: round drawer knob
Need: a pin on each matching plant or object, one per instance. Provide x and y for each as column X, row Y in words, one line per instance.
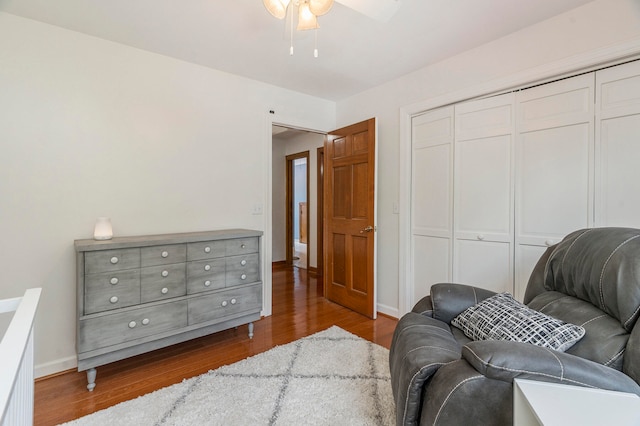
column 224, row 303
column 114, row 260
column 207, row 283
column 243, row 276
column 548, row 243
column 132, row 324
column 164, row 290
column 145, row 321
column 207, row 249
column 207, row 267
column 114, row 299
column 233, row 301
column 165, row 273
column 243, row 246
column 243, row 263
column 165, row 254
column 114, row 280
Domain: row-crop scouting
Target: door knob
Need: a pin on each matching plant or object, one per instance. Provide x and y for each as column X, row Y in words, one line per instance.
column 367, row 229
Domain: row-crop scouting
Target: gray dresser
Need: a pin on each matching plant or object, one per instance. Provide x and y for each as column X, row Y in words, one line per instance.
column 137, row 294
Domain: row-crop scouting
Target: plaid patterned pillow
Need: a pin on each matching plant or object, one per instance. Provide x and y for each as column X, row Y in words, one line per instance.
column 501, row 317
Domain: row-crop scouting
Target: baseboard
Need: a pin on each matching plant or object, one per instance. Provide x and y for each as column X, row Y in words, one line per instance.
column 55, row 367
column 280, row 264
column 313, row 272
column 388, row 311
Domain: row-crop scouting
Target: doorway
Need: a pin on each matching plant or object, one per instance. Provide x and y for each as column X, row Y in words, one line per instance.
column 297, row 239
column 291, row 144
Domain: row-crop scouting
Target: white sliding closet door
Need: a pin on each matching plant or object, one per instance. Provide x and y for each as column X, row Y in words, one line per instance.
column 431, row 200
column 554, row 173
column 618, row 146
column 483, row 188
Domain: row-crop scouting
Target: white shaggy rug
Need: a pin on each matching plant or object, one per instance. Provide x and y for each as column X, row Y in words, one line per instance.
column 329, row 378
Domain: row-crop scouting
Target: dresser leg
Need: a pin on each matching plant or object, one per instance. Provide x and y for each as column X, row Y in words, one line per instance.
column 91, row 379
column 250, row 330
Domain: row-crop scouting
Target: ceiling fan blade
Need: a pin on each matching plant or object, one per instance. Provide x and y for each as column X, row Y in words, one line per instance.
column 380, row 10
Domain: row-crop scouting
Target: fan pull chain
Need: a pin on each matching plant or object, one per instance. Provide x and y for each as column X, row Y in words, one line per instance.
column 291, row 48
column 315, row 50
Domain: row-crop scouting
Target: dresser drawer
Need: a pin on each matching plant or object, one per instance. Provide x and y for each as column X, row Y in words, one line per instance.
column 205, row 275
column 107, row 330
column 224, row 303
column 206, row 250
column 163, row 255
column 241, row 246
column 111, row 290
column 111, row 260
column 242, row 269
column 162, row 282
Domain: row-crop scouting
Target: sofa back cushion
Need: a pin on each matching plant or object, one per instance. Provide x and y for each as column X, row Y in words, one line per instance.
column 600, row 266
column 604, row 340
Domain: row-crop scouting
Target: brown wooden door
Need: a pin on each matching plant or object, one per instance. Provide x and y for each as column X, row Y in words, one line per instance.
column 349, row 222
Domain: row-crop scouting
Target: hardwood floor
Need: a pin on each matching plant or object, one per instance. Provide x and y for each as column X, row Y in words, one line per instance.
column 298, row 310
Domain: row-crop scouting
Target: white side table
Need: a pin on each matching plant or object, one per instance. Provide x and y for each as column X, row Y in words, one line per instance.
column 549, row 404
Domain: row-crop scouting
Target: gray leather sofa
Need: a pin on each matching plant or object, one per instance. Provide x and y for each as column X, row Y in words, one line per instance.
column 591, row 278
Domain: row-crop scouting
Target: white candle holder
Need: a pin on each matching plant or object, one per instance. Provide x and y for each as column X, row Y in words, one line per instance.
column 103, row 230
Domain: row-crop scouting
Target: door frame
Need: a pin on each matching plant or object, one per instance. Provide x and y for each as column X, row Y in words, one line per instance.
column 290, row 210
column 320, row 216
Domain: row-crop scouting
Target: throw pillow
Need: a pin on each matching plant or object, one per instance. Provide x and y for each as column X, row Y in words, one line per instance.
column 501, row 317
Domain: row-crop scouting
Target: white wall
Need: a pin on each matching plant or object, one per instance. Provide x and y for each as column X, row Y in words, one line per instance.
column 603, row 25
column 92, row 128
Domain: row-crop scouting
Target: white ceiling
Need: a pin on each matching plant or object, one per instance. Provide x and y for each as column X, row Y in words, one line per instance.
column 241, row 37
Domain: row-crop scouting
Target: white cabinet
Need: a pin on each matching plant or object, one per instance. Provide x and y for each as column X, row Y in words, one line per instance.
column 618, row 148
column 554, row 173
column 483, row 196
column 431, row 195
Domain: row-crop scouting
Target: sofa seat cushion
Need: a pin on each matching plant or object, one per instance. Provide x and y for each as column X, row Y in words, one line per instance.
column 501, row 317
column 605, row 339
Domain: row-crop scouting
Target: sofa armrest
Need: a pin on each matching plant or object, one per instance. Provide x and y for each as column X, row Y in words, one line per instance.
column 424, row 307
column 420, row 346
column 449, row 300
column 504, row 360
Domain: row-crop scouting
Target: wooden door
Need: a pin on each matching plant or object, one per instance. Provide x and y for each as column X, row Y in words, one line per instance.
column 349, row 232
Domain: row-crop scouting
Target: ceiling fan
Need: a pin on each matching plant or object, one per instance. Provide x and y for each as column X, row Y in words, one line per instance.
column 309, row 10
column 380, row 10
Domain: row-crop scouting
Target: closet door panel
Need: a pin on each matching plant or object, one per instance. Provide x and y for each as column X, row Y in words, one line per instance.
column 485, row 264
column 554, row 187
column 483, row 187
column 526, row 258
column 483, row 193
column 431, row 200
column 554, row 167
column 618, row 146
column 431, row 190
column 431, row 263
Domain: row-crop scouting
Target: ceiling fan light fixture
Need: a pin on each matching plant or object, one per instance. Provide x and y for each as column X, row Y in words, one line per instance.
column 278, row 8
column 306, row 19
column 320, row 7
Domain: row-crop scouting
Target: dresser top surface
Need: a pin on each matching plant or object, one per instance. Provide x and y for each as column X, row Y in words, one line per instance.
column 152, row 240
